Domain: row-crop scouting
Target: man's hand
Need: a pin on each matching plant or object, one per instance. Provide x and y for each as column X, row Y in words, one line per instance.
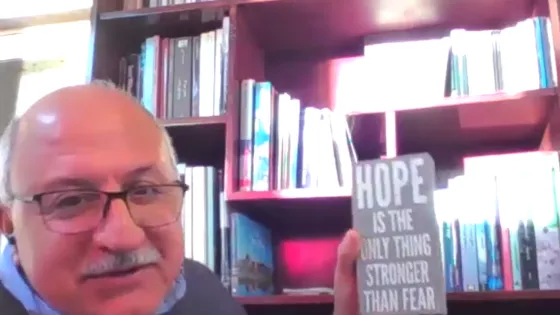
column 345, row 287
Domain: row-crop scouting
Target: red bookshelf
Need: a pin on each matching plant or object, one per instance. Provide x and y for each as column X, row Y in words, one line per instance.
column 298, row 45
column 452, row 297
column 521, row 302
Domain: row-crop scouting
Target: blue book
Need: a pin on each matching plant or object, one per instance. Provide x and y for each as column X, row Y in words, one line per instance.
column 252, row 259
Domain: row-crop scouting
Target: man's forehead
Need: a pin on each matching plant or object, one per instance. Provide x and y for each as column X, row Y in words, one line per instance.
column 80, row 125
column 83, row 103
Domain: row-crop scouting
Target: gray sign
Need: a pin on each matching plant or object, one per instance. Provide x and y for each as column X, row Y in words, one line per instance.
column 400, row 270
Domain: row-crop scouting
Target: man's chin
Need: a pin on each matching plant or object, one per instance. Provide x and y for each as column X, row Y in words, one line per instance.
column 141, row 293
column 131, row 304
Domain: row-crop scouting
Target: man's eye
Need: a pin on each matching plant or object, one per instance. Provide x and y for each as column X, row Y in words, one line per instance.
column 75, row 200
column 69, row 201
column 145, row 191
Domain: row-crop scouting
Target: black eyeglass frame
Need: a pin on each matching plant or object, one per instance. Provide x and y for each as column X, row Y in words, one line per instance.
column 111, row 196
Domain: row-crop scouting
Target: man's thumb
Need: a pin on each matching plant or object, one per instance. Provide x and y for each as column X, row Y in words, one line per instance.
column 345, row 290
column 348, row 252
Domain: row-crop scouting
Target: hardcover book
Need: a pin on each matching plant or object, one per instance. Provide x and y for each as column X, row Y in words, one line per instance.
column 400, row 268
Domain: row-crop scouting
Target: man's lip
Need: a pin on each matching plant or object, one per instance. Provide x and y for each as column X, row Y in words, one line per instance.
column 118, row 273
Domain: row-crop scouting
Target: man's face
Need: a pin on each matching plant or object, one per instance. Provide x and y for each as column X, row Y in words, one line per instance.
column 109, row 150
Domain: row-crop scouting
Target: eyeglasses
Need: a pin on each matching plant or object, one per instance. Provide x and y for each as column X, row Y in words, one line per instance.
column 81, row 210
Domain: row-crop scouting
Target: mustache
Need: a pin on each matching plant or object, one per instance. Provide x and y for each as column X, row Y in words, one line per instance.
column 123, row 261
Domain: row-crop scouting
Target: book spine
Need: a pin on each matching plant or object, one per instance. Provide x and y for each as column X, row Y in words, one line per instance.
column 246, row 135
column 457, row 261
column 530, row 274
column 234, row 222
column 495, row 280
column 195, row 66
column 294, row 141
column 468, row 255
column 225, row 243
column 261, row 136
column 447, row 232
column 482, row 256
column 507, row 270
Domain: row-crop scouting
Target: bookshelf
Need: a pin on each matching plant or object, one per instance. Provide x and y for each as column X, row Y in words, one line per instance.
column 296, row 45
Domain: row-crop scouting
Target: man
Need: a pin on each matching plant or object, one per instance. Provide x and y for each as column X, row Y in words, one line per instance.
column 90, row 203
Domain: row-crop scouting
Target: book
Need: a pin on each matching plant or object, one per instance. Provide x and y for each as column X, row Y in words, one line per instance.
column 400, row 269
column 252, row 260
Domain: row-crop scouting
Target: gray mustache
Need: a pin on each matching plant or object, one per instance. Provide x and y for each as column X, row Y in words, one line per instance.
column 118, row 262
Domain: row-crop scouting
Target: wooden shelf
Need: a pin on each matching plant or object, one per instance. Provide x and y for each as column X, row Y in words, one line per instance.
column 168, row 21
column 504, row 296
column 340, row 22
column 298, row 209
column 472, row 123
column 290, row 194
column 193, row 121
column 166, row 12
column 187, row 133
column 524, row 98
column 285, row 299
column 507, row 296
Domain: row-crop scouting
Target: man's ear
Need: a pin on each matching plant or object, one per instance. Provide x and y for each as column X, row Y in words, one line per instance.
column 6, row 225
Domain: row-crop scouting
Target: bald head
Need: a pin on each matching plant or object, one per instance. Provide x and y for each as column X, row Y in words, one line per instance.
column 60, row 159
column 91, row 108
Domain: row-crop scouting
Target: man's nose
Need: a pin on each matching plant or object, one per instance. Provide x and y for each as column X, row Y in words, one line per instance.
column 118, row 231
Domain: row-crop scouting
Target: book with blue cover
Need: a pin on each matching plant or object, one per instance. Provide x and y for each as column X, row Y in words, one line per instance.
column 251, row 257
